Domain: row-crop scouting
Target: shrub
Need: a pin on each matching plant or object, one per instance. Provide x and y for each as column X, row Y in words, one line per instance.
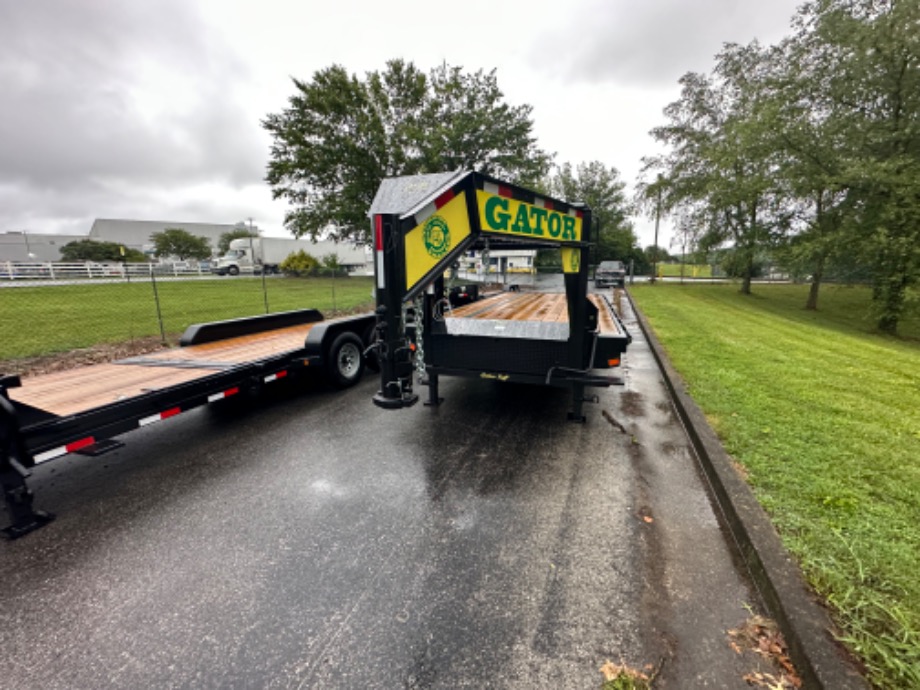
column 299, row 263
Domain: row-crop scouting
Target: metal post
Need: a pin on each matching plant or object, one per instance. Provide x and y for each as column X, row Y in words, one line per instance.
column 156, row 299
column 576, row 292
column 265, row 290
column 657, row 218
column 394, row 351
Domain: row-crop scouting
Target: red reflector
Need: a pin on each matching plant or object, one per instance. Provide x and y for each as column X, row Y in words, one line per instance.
column 547, row 204
column 504, row 191
column 580, row 214
column 444, row 198
column 172, row 412
column 82, row 443
column 281, row 374
column 232, row 391
column 378, row 233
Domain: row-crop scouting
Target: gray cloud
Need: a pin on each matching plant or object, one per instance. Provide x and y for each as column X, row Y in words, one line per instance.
column 653, row 43
column 103, row 98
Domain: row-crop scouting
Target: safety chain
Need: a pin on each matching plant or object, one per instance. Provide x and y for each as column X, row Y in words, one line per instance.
column 419, row 339
column 484, row 257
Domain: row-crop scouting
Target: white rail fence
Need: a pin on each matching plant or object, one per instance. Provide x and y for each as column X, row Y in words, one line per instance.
column 57, row 270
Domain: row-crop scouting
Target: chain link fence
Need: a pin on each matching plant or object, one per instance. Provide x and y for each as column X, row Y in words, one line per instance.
column 48, row 309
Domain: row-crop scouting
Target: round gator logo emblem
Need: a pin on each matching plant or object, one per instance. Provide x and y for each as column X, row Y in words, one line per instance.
column 574, row 261
column 437, row 237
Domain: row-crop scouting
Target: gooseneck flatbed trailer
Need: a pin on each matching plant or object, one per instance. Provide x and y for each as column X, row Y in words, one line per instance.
column 82, row 410
column 422, row 225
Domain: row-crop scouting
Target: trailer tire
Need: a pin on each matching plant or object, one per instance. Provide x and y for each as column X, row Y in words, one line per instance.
column 345, row 364
column 233, row 270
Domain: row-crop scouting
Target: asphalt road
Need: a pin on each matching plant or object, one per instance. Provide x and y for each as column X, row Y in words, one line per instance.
column 318, row 541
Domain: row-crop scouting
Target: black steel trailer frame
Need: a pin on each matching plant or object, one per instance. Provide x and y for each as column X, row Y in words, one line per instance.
column 30, row 436
column 451, row 213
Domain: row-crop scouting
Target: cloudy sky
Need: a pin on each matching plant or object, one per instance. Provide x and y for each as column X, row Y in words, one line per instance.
column 151, row 110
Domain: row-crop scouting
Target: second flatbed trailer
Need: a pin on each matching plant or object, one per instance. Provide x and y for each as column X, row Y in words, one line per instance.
column 82, row 410
column 422, row 225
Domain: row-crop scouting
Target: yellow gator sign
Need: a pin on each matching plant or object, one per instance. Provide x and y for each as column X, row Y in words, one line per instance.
column 430, row 241
column 511, row 217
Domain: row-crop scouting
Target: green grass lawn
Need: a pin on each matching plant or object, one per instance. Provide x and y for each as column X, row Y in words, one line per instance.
column 48, row 319
column 824, row 415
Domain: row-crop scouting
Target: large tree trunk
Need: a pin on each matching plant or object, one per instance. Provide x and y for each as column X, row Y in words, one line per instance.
column 891, row 296
column 811, row 304
column 748, row 273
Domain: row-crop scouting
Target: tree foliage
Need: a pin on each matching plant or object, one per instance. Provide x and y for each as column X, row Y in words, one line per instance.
column 91, row 250
column 809, row 149
column 299, row 263
column 180, row 244
column 341, row 135
column 603, row 191
column 720, row 174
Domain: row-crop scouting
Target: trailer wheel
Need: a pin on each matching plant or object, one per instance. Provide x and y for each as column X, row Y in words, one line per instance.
column 233, row 270
column 345, row 365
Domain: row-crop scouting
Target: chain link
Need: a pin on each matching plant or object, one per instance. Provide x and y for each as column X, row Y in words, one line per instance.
column 419, row 336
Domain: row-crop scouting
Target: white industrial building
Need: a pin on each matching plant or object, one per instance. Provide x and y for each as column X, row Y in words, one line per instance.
column 135, row 234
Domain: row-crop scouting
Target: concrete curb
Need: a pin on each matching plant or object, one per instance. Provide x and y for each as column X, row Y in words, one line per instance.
column 819, row 660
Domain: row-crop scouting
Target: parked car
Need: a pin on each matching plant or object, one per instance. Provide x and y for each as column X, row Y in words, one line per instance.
column 610, row 273
column 463, row 294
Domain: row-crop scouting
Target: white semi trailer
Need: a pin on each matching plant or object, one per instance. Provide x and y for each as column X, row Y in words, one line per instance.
column 258, row 254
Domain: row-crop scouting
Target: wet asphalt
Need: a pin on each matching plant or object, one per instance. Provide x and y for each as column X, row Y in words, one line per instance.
column 316, row 541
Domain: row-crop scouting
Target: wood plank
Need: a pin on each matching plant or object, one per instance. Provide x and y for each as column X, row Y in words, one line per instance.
column 83, row 389
column 79, row 390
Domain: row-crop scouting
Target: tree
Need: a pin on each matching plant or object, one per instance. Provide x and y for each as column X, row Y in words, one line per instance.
column 657, row 255
column 223, row 243
column 181, row 244
column 91, row 250
column 721, row 171
column 603, row 191
column 866, row 56
column 341, row 135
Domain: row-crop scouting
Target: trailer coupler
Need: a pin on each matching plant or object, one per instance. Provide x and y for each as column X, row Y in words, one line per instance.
column 13, row 474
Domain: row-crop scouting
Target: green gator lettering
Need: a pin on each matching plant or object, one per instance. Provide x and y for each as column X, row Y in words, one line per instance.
column 539, row 215
column 497, row 221
column 520, row 222
column 568, row 228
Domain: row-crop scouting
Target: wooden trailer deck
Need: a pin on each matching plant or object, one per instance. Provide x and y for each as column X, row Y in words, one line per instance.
column 79, row 390
column 532, row 306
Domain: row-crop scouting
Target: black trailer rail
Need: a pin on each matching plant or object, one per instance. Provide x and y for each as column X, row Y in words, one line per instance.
column 83, row 410
column 422, row 224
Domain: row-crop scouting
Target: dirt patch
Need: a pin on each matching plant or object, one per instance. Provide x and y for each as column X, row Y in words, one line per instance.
column 97, row 354
column 631, row 404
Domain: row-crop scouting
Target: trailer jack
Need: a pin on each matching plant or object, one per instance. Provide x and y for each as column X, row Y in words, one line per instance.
column 13, row 474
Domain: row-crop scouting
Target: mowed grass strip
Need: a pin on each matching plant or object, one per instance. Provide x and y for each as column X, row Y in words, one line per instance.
column 824, row 416
column 57, row 318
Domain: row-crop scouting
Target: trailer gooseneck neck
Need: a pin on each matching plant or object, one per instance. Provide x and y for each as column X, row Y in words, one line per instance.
column 422, row 225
